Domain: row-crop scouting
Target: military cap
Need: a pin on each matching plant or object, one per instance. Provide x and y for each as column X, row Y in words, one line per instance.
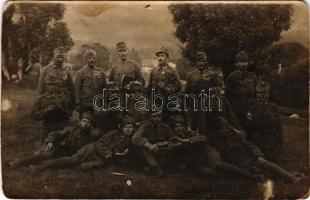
column 112, row 86
column 90, row 52
column 163, row 50
column 121, row 46
column 241, row 57
column 59, row 51
column 176, row 119
column 200, row 55
column 262, row 87
column 128, row 120
column 86, row 115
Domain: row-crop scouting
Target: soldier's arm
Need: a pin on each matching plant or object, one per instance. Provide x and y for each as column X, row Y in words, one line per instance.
column 232, row 117
column 103, row 145
column 198, row 138
column 139, row 138
column 57, row 135
column 139, row 75
column 41, row 83
column 112, row 74
column 77, row 87
column 149, row 87
column 187, row 85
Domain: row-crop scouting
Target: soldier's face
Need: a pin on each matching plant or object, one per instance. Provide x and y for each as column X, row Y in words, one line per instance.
column 179, row 128
column 162, row 58
column 128, row 129
column 202, row 63
column 91, row 60
column 123, row 54
column 59, row 59
column 85, row 124
column 242, row 65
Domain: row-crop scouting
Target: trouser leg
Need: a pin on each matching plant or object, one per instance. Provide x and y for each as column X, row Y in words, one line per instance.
column 275, row 169
column 150, row 159
column 64, row 162
column 37, row 157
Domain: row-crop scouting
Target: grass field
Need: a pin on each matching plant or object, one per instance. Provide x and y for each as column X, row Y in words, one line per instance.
column 20, row 136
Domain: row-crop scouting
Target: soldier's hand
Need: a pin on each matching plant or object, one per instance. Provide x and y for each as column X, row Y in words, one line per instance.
column 48, row 147
column 261, row 159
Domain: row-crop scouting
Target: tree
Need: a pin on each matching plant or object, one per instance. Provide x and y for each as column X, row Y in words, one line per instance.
column 36, row 26
column 223, row 30
column 134, row 55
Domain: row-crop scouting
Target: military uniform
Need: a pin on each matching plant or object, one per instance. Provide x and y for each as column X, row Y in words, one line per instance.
column 125, row 72
column 265, row 126
column 55, row 82
column 111, row 147
column 89, row 82
column 159, row 135
column 241, row 91
column 197, row 81
column 65, row 142
column 167, row 76
column 235, row 149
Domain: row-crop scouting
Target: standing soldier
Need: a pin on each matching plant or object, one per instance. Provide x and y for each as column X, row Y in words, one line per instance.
column 56, row 95
column 203, row 78
column 241, row 89
column 164, row 79
column 89, row 81
column 265, row 126
column 125, row 71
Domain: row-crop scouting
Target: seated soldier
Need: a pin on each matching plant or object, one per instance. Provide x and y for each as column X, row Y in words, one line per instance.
column 61, row 143
column 235, row 149
column 111, row 147
column 152, row 141
column 264, row 124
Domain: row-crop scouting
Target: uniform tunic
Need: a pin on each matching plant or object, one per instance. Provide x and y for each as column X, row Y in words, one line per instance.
column 128, row 71
column 88, row 83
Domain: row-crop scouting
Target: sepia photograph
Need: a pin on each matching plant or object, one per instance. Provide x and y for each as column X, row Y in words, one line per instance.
column 155, row 99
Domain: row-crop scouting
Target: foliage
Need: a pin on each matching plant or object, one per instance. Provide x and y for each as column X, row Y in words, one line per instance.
column 223, row 30
column 103, row 56
column 36, row 26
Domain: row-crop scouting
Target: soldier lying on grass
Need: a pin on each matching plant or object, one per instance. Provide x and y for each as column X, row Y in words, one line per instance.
column 110, row 148
column 235, row 149
column 61, row 143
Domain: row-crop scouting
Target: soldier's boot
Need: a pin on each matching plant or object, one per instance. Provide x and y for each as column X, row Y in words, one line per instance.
column 35, row 158
column 277, row 170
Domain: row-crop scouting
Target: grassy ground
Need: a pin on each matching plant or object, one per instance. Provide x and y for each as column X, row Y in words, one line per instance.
column 20, row 136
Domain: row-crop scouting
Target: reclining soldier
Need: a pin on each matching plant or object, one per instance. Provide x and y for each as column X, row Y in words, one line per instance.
column 112, row 147
column 152, row 142
column 265, row 129
column 235, row 149
column 61, row 143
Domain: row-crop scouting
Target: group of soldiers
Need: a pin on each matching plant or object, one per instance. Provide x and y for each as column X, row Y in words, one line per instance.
column 244, row 138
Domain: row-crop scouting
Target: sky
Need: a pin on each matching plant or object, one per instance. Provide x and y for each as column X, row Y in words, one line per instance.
column 143, row 26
